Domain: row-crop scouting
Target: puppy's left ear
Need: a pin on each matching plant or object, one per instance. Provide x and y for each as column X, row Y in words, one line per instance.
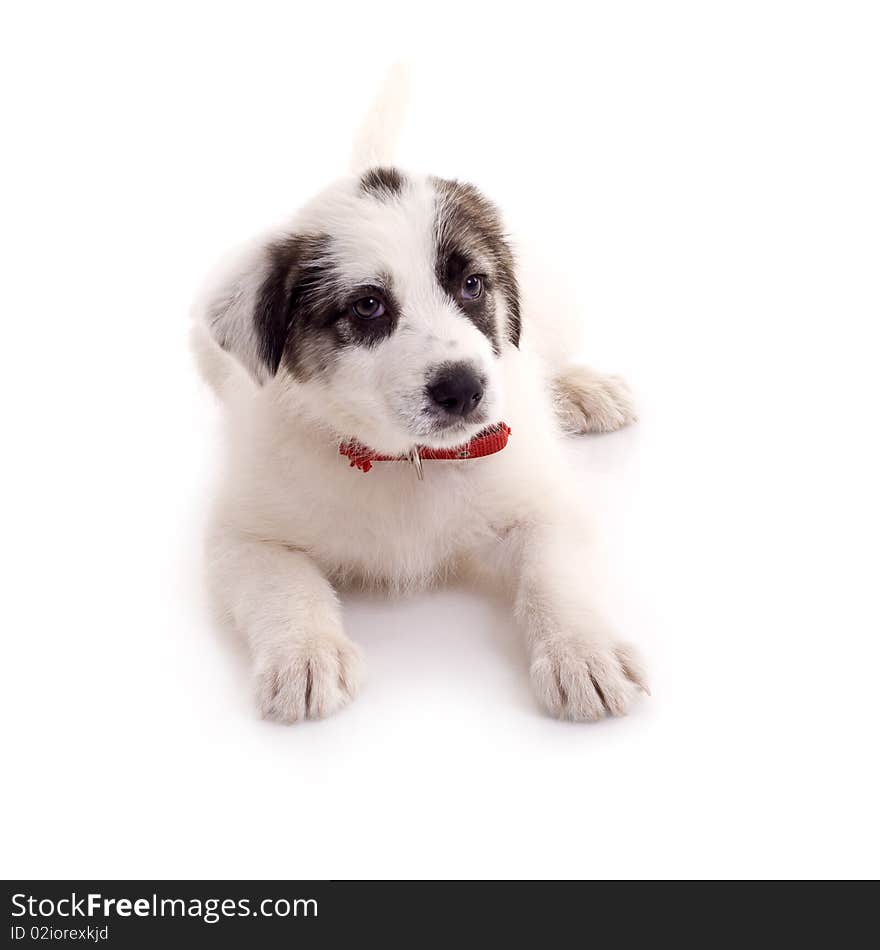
column 248, row 307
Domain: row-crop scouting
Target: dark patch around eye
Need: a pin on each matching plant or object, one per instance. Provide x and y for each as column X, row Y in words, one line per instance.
column 468, row 228
column 299, row 316
column 479, row 310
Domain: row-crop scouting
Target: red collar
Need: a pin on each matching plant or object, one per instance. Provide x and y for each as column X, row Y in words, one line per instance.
column 488, row 442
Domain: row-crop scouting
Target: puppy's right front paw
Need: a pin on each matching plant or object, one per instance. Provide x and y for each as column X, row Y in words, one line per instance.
column 308, row 678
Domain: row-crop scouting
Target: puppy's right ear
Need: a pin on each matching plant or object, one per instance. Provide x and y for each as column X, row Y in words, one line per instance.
column 247, row 307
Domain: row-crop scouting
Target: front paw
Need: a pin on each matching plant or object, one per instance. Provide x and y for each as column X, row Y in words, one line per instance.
column 583, row 681
column 307, row 678
column 589, row 402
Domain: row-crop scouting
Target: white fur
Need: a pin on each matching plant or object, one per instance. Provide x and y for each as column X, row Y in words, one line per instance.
column 294, row 520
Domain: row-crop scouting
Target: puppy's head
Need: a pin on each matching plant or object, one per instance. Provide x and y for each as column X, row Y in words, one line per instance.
column 384, row 308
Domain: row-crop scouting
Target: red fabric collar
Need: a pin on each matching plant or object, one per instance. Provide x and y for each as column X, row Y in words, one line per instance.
column 488, row 442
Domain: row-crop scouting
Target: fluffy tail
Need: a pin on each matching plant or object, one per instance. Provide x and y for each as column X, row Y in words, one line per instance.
column 377, row 137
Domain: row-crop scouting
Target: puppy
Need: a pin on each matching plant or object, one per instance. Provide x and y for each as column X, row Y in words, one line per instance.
column 373, row 355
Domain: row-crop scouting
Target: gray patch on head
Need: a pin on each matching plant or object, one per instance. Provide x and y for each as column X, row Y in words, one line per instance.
column 382, row 183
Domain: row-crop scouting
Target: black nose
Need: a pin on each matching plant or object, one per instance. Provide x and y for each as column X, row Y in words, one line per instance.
column 457, row 389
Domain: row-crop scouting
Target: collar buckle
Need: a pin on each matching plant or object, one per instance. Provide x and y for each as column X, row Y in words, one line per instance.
column 416, row 461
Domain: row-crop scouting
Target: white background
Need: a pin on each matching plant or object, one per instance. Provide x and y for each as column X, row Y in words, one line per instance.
column 702, row 180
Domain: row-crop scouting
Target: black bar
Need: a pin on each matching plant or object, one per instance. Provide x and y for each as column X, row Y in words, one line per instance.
column 167, row 914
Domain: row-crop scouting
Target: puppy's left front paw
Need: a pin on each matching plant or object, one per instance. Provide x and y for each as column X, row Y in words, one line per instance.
column 583, row 681
column 586, row 401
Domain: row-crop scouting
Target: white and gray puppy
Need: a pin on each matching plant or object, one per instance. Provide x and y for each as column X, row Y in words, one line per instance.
column 387, row 313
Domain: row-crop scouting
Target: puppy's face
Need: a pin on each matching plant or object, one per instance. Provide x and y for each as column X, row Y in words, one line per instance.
column 385, row 309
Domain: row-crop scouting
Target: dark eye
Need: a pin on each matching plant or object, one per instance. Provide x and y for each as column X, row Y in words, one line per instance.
column 368, row 308
column 471, row 287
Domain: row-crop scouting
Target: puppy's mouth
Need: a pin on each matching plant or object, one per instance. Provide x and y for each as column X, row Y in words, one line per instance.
column 449, row 433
